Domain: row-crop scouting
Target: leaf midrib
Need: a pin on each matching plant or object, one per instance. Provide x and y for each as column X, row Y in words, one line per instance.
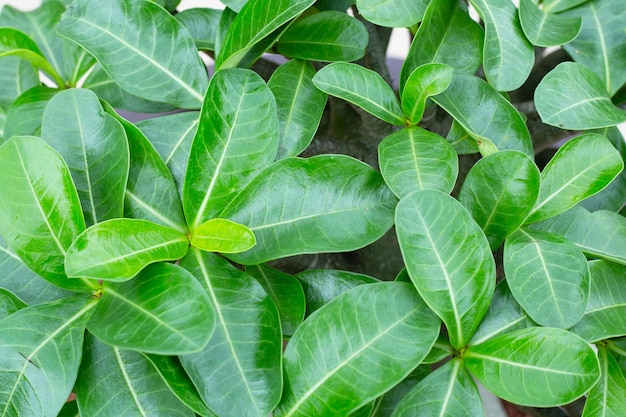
column 128, row 381
column 472, row 354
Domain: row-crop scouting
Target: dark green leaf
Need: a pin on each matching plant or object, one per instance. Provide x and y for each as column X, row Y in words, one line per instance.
column 393, row 13
column 24, row 116
column 10, row 303
column 202, row 24
column 547, row 29
column 461, row 140
column 606, row 398
column 221, row 235
column 388, row 402
column 440, row 350
column 425, row 81
column 16, row 77
column 235, row 5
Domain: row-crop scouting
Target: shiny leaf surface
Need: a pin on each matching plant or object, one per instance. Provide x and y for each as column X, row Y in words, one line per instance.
column 16, row 77
column 10, row 303
column 221, row 235
column 24, row 116
column 202, row 24
column 606, row 398
column 546, row 29
column 394, row 13
column 425, row 81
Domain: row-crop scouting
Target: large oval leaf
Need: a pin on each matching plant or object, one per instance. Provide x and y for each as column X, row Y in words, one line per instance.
column 394, row 13
column 158, row 65
column 340, row 337
column 328, row 203
column 455, row 276
column 607, row 398
column 538, row 366
column 547, row 29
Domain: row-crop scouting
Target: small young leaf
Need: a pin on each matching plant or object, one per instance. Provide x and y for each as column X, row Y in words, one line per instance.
column 394, row 13
column 606, row 398
column 25, row 113
column 221, row 235
column 202, row 24
column 425, row 81
column 10, row 303
column 546, row 29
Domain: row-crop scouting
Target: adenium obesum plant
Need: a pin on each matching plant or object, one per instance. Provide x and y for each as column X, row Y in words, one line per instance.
column 164, row 268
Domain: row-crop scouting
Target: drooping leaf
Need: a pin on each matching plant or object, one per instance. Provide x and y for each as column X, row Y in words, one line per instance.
column 606, row 398
column 425, row 81
column 37, row 189
column 394, row 13
column 499, row 192
column 113, row 382
column 299, row 105
column 10, row 303
column 202, row 24
column 24, row 115
column 16, row 77
column 116, row 250
column 325, row 36
column 572, row 97
column 163, row 311
column 221, row 235
column 239, row 371
column 388, row 402
column 40, row 352
column 158, row 65
column 237, row 137
column 547, row 29
column 556, row 6
column 327, row 203
column 581, row 168
column 414, row 159
column 548, row 275
column 340, row 337
column 362, row 87
column 456, row 277
column 538, row 366
column 485, row 114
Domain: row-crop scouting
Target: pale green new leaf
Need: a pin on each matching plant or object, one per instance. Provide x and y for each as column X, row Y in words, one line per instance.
column 538, row 366
column 10, row 303
column 324, row 355
column 362, row 87
column 393, row 13
column 202, row 24
column 16, row 77
column 160, row 65
column 116, row 250
column 607, row 398
column 456, row 277
column 547, row 29
column 556, row 6
column 221, row 235
column 425, row 81
column 24, row 116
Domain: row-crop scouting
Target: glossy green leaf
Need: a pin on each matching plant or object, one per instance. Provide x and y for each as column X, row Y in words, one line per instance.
column 362, row 87
column 256, row 21
column 3, row 120
column 70, row 409
column 221, row 235
column 547, row 29
column 508, row 57
column 499, row 191
column 340, row 337
column 163, row 311
column 414, row 159
column 572, row 97
column 447, row 35
column 461, row 140
column 94, row 146
column 582, row 167
column 538, row 366
column 235, row 5
column 440, row 350
column 605, row 316
column 16, row 77
column 158, row 65
column 555, row 6
column 548, row 275
column 600, row 44
column 237, row 137
column 202, row 24
column 299, row 105
column 425, row 81
column 325, row 36
column 239, row 372
column 116, row 250
column 606, row 398
column 286, row 292
column 10, row 303
column 113, row 382
column 327, row 203
column 394, row 13
column 448, row 391
column 37, row 189
column 388, row 402
column 489, row 117
column 227, row 18
column 24, row 115
column 40, row 352
column 455, row 277
column 321, row 286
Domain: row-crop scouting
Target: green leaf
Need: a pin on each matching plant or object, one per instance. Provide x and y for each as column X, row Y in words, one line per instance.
column 221, row 235
column 286, row 292
column 158, row 65
column 600, row 44
column 461, row 140
column 606, row 398
column 499, row 191
column 227, row 18
column 325, row 36
column 425, row 81
column 239, row 372
column 235, row 5
column 256, row 20
column 489, row 117
column 237, row 137
column 112, row 381
column 556, row 6
column 548, row 275
column 24, row 116
column 538, row 366
column 163, row 311
column 547, row 29
column 299, row 105
column 448, row 391
column 605, row 315
column 116, row 250
column 327, row 203
column 10, row 303
column 455, row 277
column 340, row 337
column 388, row 402
column 440, row 351
column 572, row 97
column 414, row 159
column 16, row 77
column 362, row 87
column 508, row 56
column 393, row 13
column 40, row 351
column 202, row 24
column 37, row 189
column 321, row 286
column 582, row 167
column 447, row 35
